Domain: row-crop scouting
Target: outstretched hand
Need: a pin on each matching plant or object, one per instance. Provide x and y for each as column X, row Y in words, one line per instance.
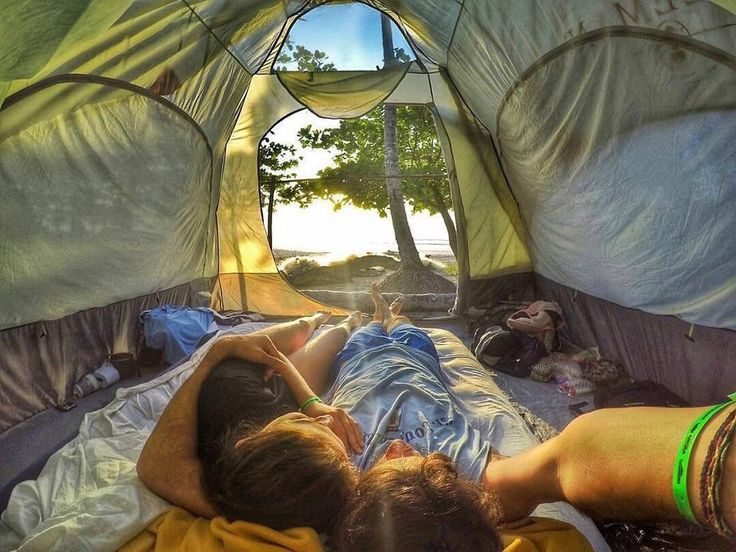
column 260, row 349
column 342, row 425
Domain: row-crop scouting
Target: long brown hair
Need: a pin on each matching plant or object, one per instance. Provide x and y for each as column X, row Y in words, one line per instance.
column 422, row 508
column 280, row 478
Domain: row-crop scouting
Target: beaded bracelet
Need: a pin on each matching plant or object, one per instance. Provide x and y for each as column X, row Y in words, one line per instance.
column 710, row 478
column 682, row 461
column 309, row 402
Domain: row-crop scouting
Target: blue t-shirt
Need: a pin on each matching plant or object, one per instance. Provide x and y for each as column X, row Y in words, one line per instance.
column 398, row 392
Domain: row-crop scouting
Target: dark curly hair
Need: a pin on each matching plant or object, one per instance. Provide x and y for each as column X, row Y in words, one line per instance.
column 422, row 506
column 279, row 478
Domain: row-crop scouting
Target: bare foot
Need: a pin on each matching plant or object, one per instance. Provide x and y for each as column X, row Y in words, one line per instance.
column 316, row 320
column 382, row 311
column 352, row 321
column 396, row 305
column 321, row 317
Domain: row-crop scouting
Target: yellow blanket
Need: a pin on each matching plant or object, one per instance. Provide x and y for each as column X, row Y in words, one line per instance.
column 178, row 530
column 542, row 535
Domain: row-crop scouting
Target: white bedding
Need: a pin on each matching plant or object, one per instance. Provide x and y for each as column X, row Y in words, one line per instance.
column 88, row 496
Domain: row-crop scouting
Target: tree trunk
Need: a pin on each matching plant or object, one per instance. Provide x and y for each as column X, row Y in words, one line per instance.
column 446, row 218
column 269, row 228
column 404, row 240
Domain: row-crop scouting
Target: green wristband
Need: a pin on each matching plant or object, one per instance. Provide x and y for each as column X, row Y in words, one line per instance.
column 682, row 461
column 309, row 402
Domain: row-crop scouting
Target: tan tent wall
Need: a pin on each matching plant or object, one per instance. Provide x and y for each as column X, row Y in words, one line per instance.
column 249, row 278
column 489, row 212
column 473, row 169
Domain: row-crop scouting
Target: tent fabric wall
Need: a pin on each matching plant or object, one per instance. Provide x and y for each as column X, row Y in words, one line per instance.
column 243, row 243
column 112, row 132
column 488, row 212
column 598, row 133
column 491, row 45
column 91, row 156
column 246, row 262
column 515, row 35
column 599, row 142
column 640, row 168
column 41, row 362
column 697, row 363
column 342, row 94
column 87, row 233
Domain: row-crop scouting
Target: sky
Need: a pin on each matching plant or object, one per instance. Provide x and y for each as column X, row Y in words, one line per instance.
column 350, row 34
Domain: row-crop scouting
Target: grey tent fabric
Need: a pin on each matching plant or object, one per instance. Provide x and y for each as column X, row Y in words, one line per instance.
column 697, row 363
column 31, row 379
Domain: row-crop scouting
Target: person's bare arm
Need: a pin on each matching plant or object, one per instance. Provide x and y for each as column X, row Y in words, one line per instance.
column 613, row 463
column 169, row 464
column 343, row 425
column 617, row 463
column 522, row 482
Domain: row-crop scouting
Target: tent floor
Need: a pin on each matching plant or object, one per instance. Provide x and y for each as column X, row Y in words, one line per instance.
column 543, row 399
column 36, row 438
column 29, row 444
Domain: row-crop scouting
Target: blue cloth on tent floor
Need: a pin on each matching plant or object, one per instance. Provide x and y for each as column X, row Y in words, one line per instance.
column 177, row 330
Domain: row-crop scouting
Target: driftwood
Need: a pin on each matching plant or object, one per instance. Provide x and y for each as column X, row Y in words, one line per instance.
column 361, row 300
column 340, row 272
column 369, row 261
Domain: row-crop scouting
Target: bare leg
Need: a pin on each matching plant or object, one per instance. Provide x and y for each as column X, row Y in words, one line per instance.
column 291, row 336
column 314, row 360
column 381, row 311
column 388, row 315
column 397, row 321
column 396, row 317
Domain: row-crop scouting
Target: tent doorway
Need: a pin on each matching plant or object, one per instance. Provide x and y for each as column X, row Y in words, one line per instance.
column 326, row 207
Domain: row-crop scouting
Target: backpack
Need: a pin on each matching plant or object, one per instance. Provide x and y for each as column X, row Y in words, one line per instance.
column 509, row 351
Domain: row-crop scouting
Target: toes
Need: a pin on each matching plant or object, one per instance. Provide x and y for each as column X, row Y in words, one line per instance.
column 376, row 294
column 397, row 304
column 380, row 304
column 355, row 318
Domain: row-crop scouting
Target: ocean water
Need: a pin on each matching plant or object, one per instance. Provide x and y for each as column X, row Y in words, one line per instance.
column 351, row 231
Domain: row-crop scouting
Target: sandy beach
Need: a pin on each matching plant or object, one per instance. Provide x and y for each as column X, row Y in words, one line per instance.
column 445, row 265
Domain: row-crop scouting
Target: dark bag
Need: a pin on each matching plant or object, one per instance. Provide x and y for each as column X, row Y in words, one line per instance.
column 508, row 351
column 637, row 393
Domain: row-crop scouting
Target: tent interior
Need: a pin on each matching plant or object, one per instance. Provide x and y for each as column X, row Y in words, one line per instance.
column 590, row 150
